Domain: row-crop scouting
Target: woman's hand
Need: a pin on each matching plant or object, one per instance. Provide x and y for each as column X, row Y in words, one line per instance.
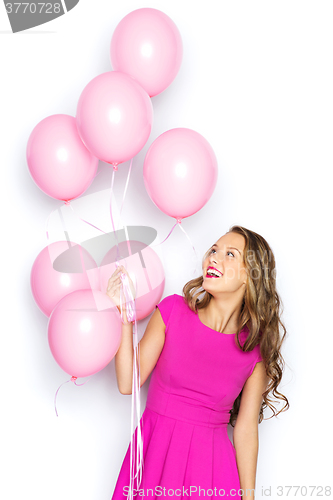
column 115, row 288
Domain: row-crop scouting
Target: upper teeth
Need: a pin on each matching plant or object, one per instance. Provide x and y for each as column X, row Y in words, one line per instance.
column 216, row 273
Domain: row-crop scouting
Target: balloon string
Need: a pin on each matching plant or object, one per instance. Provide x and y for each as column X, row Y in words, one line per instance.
column 195, row 252
column 136, row 455
column 47, row 223
column 72, row 379
column 70, row 206
column 137, row 378
column 67, row 203
column 136, row 452
column 178, row 222
column 111, row 194
column 136, row 458
column 127, row 180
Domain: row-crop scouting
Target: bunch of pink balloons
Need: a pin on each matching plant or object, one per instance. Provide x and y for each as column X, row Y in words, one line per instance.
column 113, row 123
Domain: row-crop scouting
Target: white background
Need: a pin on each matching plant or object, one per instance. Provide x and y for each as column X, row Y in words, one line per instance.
column 256, row 81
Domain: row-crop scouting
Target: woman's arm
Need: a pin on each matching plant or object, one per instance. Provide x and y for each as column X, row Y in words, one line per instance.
column 150, row 348
column 246, row 429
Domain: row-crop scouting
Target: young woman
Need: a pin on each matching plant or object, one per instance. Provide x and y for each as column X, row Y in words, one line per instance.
column 215, row 353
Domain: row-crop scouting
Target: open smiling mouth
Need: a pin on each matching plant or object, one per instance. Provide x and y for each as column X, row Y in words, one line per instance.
column 211, row 273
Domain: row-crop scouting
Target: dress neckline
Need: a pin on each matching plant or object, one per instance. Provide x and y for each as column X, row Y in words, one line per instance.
column 212, row 329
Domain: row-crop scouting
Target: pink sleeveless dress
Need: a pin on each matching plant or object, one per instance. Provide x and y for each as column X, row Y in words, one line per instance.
column 198, row 376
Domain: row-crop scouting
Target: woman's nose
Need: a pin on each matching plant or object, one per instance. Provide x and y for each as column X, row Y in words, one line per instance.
column 213, row 259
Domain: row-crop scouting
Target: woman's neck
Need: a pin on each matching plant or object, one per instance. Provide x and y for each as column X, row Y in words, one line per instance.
column 221, row 315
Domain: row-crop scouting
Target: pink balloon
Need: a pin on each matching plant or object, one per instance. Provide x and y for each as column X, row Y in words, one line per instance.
column 114, row 117
column 145, row 269
column 49, row 285
column 58, row 161
column 147, row 45
column 84, row 332
column 180, row 172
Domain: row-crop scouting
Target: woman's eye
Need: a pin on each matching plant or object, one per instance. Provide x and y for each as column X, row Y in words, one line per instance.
column 213, row 250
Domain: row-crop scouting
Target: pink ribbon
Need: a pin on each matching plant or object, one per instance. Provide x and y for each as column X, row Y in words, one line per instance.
column 179, row 219
column 67, row 202
column 136, row 455
column 72, row 379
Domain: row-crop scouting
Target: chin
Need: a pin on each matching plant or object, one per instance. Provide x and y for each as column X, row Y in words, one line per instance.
column 205, row 285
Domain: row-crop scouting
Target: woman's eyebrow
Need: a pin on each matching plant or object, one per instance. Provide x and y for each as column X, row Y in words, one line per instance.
column 215, row 245
column 236, row 249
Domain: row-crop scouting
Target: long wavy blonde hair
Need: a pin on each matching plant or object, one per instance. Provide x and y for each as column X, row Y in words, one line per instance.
column 260, row 313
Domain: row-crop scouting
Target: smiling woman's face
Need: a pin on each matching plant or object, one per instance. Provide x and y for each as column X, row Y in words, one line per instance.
column 227, row 257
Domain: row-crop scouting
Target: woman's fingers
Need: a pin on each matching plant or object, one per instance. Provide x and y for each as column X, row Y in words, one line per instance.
column 115, row 289
column 115, row 281
column 117, row 272
column 114, row 284
column 115, row 277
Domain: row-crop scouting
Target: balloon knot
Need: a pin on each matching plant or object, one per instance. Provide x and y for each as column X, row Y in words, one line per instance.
column 179, row 219
column 115, row 166
column 67, row 202
column 73, row 379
